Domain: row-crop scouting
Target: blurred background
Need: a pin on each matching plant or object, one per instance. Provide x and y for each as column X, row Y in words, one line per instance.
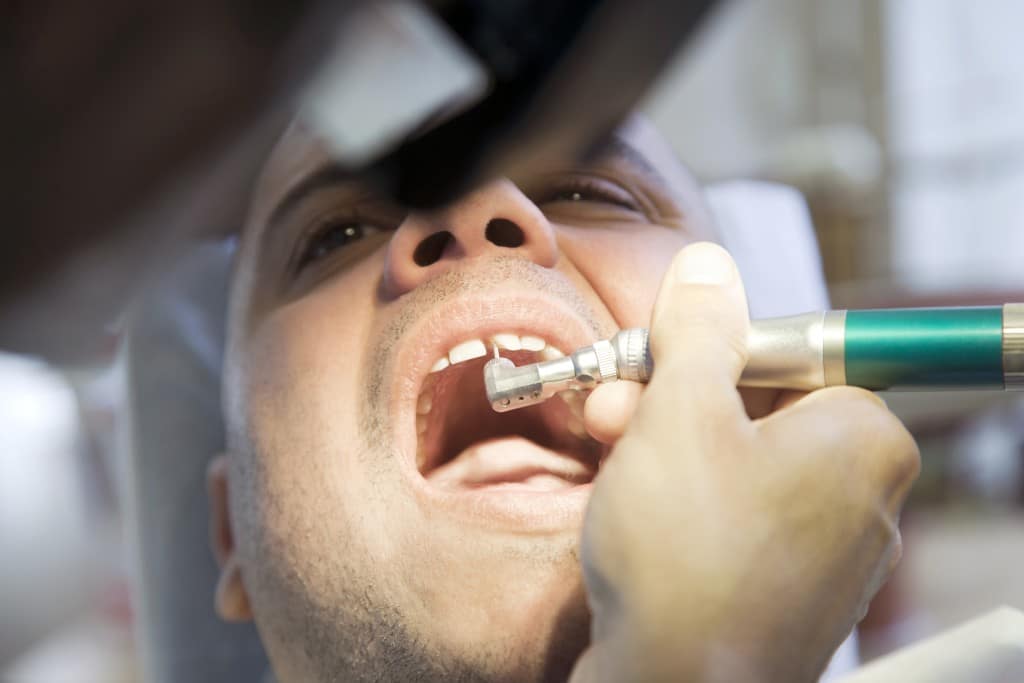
column 900, row 121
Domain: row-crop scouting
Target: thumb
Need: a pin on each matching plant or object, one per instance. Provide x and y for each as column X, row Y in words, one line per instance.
column 699, row 334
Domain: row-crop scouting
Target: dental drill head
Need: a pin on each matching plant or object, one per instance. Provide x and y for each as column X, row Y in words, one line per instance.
column 624, row 356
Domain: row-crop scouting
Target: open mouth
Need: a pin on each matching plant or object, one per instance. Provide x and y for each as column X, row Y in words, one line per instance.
column 525, row 471
column 462, row 444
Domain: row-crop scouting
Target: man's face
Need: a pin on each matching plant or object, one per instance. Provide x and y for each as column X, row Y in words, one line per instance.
column 387, row 524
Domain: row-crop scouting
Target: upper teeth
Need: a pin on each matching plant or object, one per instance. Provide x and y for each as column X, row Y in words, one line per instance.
column 467, row 350
column 475, row 348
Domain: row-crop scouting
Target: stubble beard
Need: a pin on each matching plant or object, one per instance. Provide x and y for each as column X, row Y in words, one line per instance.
column 362, row 634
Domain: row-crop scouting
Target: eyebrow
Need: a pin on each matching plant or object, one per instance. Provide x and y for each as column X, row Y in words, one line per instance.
column 619, row 148
column 332, row 174
column 325, row 176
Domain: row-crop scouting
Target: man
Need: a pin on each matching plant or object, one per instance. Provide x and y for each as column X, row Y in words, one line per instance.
column 380, row 522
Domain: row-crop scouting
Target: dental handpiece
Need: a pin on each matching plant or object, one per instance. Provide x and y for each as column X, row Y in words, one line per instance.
column 888, row 349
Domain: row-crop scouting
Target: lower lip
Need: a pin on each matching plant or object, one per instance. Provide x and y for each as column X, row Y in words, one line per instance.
column 511, row 506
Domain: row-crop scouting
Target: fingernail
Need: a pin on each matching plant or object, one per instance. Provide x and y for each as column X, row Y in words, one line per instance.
column 705, row 264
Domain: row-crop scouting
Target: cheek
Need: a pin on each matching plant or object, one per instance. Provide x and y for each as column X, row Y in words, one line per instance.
column 302, row 361
column 624, row 266
column 302, row 384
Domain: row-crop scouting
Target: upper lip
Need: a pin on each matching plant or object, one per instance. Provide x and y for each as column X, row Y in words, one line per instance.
column 475, row 316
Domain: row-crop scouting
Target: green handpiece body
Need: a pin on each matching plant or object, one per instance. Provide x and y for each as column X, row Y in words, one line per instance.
column 925, row 348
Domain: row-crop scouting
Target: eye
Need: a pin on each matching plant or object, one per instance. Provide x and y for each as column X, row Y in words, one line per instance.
column 332, row 237
column 587, row 191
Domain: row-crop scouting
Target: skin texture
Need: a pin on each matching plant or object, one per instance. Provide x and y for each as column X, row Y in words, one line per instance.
column 788, row 523
column 321, row 523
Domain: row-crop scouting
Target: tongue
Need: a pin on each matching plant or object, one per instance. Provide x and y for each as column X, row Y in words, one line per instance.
column 511, row 461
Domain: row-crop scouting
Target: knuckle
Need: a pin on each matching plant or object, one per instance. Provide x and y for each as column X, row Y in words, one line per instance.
column 851, row 414
column 895, row 552
column 909, row 464
column 896, row 448
column 865, row 413
column 888, row 447
column 856, row 396
column 890, row 550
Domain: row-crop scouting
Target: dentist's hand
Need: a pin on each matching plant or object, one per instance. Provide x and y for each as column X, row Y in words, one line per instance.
column 720, row 548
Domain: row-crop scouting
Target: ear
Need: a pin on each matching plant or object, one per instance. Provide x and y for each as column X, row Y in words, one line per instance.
column 231, row 601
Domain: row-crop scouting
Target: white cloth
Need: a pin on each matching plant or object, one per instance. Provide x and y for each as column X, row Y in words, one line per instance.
column 767, row 229
column 987, row 649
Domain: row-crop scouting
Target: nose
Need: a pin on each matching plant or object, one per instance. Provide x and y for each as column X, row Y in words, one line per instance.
column 494, row 220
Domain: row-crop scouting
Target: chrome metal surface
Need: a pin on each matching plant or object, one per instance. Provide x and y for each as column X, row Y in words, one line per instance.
column 833, row 352
column 1013, row 346
column 786, row 352
column 510, row 387
column 633, row 354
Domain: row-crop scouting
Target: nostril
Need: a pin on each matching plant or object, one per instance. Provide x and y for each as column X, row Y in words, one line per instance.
column 429, row 251
column 504, row 233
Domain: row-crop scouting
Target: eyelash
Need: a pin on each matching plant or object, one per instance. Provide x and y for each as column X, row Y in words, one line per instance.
column 588, row 190
column 315, row 246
